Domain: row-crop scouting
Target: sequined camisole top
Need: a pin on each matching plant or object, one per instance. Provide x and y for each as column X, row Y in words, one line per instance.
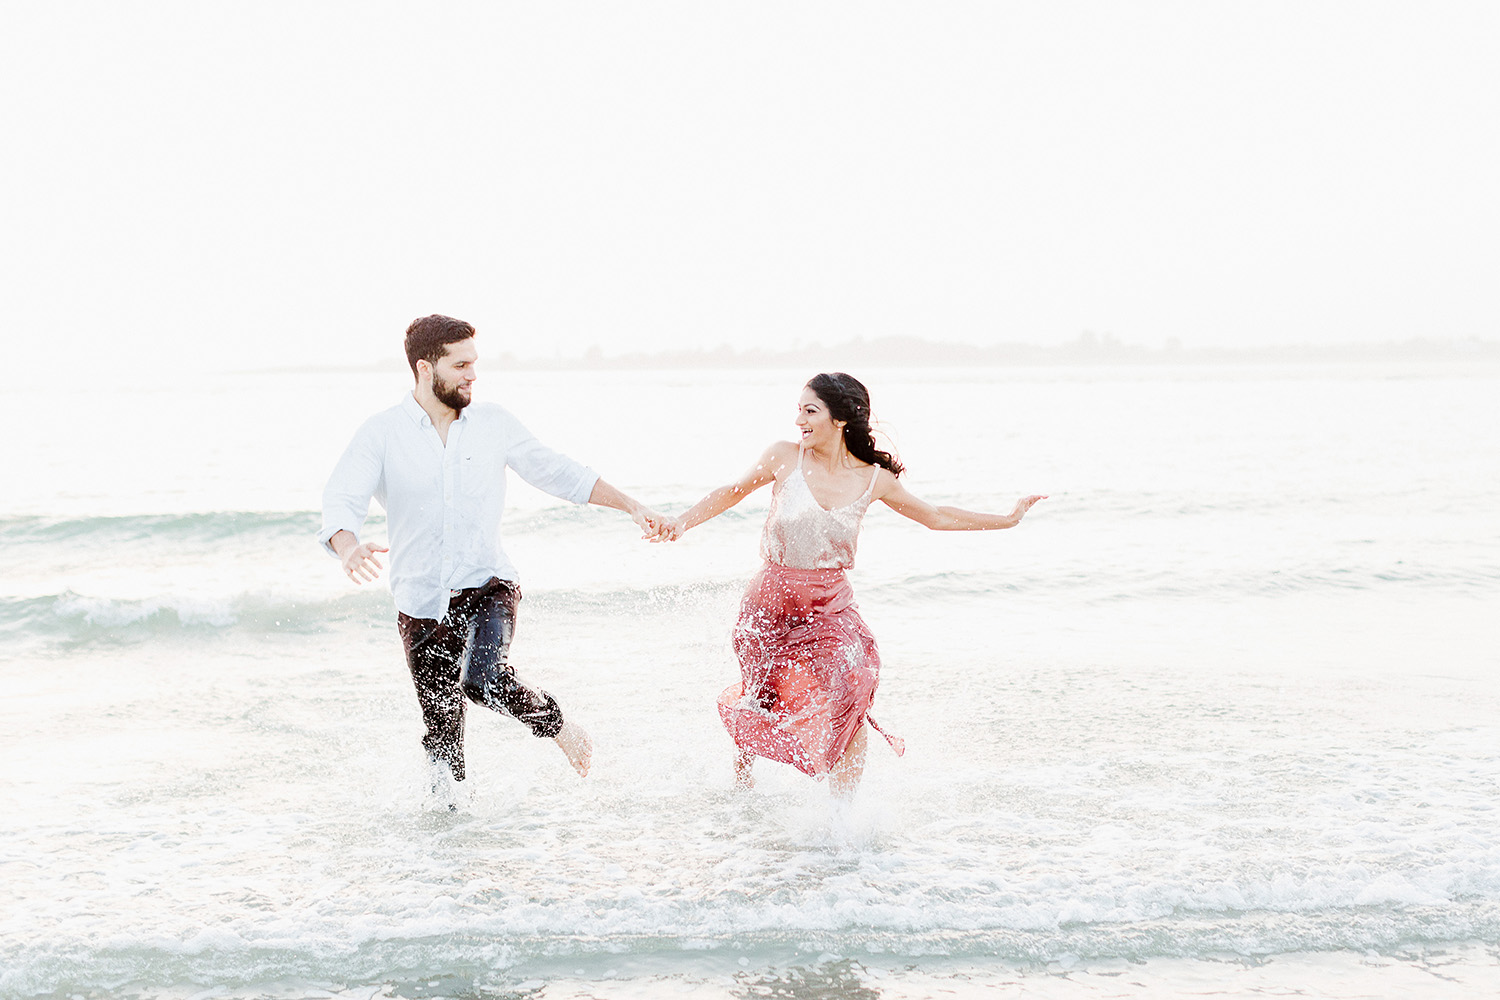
column 802, row 534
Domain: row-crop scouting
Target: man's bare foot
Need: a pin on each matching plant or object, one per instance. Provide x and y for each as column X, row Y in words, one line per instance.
column 743, row 779
column 576, row 746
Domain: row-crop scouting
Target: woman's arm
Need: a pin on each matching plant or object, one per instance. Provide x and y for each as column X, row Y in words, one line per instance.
column 903, row 502
column 718, row 501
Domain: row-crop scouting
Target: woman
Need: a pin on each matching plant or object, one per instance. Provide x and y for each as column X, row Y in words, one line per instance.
column 808, row 664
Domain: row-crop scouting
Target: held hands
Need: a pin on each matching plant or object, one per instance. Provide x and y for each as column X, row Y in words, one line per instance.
column 653, row 526
column 659, row 528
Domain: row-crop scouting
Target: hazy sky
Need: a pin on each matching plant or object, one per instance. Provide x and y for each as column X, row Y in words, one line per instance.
column 261, row 183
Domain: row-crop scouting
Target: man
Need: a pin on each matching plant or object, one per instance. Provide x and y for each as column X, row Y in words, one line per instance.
column 437, row 465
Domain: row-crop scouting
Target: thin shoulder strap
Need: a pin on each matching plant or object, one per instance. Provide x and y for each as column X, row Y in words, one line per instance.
column 800, row 452
column 873, row 476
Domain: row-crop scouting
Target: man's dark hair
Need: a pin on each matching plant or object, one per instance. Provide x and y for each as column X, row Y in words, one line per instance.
column 427, row 339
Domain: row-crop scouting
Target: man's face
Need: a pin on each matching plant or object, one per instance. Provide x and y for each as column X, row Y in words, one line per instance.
column 454, row 374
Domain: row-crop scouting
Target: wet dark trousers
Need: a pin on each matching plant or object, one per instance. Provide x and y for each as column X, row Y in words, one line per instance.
column 463, row 657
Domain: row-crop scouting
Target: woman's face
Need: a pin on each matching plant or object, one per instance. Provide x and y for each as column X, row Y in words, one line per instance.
column 819, row 429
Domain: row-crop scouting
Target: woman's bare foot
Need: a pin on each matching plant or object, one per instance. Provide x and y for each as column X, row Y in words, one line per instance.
column 743, row 779
column 576, row 746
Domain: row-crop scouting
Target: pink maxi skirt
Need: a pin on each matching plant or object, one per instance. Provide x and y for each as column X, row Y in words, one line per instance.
column 808, row 669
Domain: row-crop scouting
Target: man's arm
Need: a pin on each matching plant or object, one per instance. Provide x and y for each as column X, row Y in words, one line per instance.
column 555, row 473
column 605, row 495
column 346, row 503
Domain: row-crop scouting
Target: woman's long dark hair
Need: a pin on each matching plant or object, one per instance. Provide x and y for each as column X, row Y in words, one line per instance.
column 848, row 400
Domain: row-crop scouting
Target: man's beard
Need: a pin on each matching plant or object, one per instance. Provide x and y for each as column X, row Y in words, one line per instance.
column 448, row 395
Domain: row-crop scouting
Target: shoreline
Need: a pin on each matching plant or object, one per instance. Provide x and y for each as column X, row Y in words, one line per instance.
column 1461, row 969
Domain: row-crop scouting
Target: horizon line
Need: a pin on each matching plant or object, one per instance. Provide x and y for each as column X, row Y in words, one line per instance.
column 907, row 352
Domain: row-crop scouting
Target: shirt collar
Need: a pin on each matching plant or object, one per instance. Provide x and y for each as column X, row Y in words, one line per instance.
column 413, row 409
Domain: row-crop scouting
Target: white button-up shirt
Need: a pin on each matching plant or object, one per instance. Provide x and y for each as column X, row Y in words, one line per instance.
column 443, row 504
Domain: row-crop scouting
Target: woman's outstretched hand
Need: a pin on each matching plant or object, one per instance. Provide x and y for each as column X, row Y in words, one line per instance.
column 1024, row 504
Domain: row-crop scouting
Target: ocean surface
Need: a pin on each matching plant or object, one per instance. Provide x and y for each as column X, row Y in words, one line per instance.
column 1221, row 716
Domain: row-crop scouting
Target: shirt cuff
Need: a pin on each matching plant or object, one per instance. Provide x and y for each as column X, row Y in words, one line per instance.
column 585, row 487
column 326, row 535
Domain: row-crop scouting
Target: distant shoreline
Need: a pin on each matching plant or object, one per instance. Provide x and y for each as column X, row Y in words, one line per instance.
column 914, row 352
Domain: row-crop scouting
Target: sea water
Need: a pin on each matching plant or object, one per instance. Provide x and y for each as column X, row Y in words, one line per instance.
column 1219, row 716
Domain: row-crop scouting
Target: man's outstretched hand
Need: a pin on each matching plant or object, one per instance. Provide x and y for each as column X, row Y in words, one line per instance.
column 360, row 564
